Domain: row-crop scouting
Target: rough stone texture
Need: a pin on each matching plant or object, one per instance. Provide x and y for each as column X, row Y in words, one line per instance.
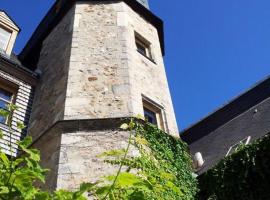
column 49, row 102
column 92, row 70
column 98, row 83
column 71, row 149
column 215, row 145
column 80, row 159
column 147, row 78
column 107, row 75
column 49, row 146
column 23, row 100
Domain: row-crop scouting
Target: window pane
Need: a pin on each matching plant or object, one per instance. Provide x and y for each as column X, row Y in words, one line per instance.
column 150, row 116
column 3, row 104
column 141, row 48
column 4, row 38
column 2, row 120
column 5, row 95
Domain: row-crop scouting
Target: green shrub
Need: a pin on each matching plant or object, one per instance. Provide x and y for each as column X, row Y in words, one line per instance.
column 244, row 175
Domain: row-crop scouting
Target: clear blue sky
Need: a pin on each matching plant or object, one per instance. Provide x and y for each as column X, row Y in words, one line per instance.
column 214, row 49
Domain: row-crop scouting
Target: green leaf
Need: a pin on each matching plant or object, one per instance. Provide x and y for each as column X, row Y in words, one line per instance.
column 63, row 195
column 20, row 125
column 42, row 196
column 126, row 179
column 174, row 188
column 4, row 113
column 84, row 187
column 1, row 134
column 131, row 125
column 12, row 107
column 139, row 116
column 124, row 126
column 33, row 153
column 137, row 195
column 112, row 153
column 4, row 190
column 5, row 159
column 26, row 142
column 102, row 190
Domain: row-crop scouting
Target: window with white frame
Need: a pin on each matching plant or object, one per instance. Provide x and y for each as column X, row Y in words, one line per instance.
column 236, row 146
column 4, row 38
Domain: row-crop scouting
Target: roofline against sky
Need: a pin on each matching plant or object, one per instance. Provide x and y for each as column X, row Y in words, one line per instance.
column 190, row 134
column 58, row 11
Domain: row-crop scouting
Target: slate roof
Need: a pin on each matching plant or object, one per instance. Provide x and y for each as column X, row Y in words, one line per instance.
column 144, row 3
column 15, row 62
column 240, row 104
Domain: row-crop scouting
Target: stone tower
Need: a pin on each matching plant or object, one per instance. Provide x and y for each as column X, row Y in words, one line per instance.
column 99, row 62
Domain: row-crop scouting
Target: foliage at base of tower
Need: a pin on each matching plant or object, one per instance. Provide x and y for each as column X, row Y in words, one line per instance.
column 19, row 175
column 243, row 175
column 161, row 170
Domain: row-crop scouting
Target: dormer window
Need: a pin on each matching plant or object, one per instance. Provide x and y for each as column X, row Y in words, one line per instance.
column 236, row 146
column 8, row 34
column 4, row 38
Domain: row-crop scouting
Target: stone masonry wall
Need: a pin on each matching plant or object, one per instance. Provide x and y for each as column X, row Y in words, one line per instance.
column 146, row 77
column 92, row 70
column 215, row 145
column 107, row 75
column 49, row 101
column 80, row 159
column 49, row 146
column 98, row 84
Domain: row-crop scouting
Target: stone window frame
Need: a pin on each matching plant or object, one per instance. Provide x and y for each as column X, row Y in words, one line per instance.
column 141, row 42
column 11, row 88
column 234, row 147
column 154, row 107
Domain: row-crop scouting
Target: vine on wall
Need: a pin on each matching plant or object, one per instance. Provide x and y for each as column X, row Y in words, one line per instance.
column 161, row 170
column 243, row 175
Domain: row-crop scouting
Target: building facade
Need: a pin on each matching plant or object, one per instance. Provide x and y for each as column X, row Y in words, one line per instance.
column 93, row 65
column 241, row 121
column 16, row 87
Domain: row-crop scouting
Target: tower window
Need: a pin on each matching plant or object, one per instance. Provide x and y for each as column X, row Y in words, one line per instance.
column 143, row 46
column 4, row 38
column 153, row 113
column 150, row 116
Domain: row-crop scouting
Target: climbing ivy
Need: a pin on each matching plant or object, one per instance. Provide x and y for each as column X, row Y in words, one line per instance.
column 161, row 170
column 243, row 175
